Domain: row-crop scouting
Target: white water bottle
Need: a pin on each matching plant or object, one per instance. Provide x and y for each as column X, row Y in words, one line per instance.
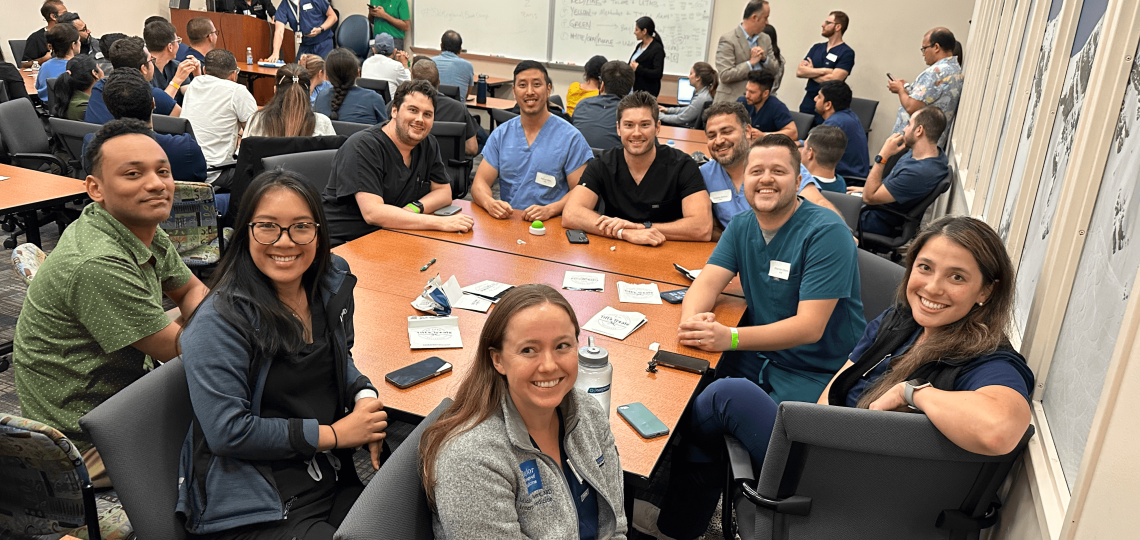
column 595, row 373
column 249, row 55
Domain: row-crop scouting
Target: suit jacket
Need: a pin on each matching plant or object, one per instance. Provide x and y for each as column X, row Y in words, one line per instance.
column 732, row 55
column 650, row 68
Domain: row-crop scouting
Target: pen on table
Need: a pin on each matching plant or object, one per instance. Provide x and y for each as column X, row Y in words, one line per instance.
column 425, row 267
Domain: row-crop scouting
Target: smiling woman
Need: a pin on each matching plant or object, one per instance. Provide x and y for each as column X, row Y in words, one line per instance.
column 495, row 459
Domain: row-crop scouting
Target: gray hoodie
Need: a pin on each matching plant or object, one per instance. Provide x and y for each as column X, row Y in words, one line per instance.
column 482, row 491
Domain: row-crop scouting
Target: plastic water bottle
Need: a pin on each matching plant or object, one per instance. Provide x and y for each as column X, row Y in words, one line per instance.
column 35, row 66
column 595, row 373
column 249, row 55
column 481, row 90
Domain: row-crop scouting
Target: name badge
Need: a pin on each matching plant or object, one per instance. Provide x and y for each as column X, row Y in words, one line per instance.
column 780, row 270
column 307, row 6
column 723, row 195
column 546, row 180
column 831, row 57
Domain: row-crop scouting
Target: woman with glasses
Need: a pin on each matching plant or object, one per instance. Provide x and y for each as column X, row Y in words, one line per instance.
column 272, row 381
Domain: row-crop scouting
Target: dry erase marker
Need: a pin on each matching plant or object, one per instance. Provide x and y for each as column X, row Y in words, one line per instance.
column 425, row 267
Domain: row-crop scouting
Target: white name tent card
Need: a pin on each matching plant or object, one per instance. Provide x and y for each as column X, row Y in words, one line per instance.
column 613, row 323
column 434, row 332
column 637, row 293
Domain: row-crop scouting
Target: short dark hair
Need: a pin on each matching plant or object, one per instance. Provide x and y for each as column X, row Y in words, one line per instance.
column 126, row 93
column 128, row 52
column 60, row 37
column 50, row 9
column 154, row 18
column 531, row 64
column 159, row 34
column 198, row 29
column 451, row 42
column 416, row 86
column 93, row 157
column 762, row 78
column 426, row 71
column 617, row 77
column 753, row 7
column 932, row 120
column 107, row 41
column 219, row 63
column 637, row 100
column 593, row 66
column 67, row 17
column 838, row 93
column 779, row 140
column 841, row 19
column 734, row 108
column 829, row 144
column 943, row 38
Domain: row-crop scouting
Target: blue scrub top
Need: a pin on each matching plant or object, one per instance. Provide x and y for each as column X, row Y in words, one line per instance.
column 717, row 180
column 772, row 116
column 821, row 257
column 855, row 161
column 313, row 14
column 97, row 112
column 558, row 150
column 844, row 59
column 910, row 180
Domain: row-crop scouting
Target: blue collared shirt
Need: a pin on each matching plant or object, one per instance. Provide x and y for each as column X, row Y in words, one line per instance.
column 558, row 150
column 455, row 71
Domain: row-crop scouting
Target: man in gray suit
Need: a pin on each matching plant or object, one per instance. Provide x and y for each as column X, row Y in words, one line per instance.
column 743, row 50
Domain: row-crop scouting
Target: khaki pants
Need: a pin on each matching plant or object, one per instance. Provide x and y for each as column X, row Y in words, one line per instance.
column 95, row 469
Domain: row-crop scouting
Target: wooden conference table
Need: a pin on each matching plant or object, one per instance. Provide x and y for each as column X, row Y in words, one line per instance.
column 387, row 264
column 29, row 81
column 25, row 192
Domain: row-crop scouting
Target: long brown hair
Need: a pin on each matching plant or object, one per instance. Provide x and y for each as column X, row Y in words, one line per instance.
column 289, row 113
column 341, row 68
column 707, row 76
column 483, row 388
column 314, row 64
column 982, row 330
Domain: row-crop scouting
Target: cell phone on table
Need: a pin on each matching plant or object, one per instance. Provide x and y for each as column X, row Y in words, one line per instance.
column 674, row 297
column 577, row 236
column 448, row 211
column 409, row 376
column 642, row 421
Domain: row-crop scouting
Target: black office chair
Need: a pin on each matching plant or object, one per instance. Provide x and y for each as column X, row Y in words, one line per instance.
column 856, row 181
column 500, row 116
column 452, row 141
column 557, row 100
column 865, row 110
column 17, row 46
column 378, row 86
column 803, row 123
column 4, row 93
column 171, row 125
column 701, row 120
column 848, row 206
column 451, row 91
column 824, row 462
column 394, row 505
column 877, row 243
column 28, row 144
column 255, row 149
column 878, row 281
column 313, row 166
column 69, row 136
column 348, row 128
column 353, row 34
column 139, row 432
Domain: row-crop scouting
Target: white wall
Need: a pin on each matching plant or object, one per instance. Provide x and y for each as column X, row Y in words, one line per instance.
column 22, row 17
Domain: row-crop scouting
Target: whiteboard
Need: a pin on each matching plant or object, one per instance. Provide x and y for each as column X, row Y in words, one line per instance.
column 583, row 28
column 512, row 28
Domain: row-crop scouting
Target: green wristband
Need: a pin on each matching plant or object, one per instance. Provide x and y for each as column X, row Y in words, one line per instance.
column 735, row 339
column 412, row 207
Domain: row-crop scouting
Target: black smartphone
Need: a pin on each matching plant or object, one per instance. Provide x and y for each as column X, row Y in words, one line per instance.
column 889, row 78
column 418, row 372
column 447, row 210
column 674, row 297
column 681, row 362
column 577, row 236
column 642, row 421
column 684, row 271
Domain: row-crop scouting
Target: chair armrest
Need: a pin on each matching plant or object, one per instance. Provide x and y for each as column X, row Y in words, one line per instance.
column 43, row 158
column 223, row 165
column 459, row 162
column 739, row 460
column 795, row 505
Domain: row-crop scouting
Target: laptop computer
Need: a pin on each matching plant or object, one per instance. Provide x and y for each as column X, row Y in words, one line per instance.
column 684, row 91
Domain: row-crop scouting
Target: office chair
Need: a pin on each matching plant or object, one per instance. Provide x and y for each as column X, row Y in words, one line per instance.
column 877, row 243
column 28, row 145
column 139, row 432
column 451, row 91
column 4, row 93
column 313, row 166
column 878, row 281
column 451, row 137
column 394, row 505
column 171, row 125
column 376, row 85
column 346, row 129
column 848, row 206
column 803, row 123
column 865, row 110
column 701, row 120
column 254, row 149
column 353, row 34
column 69, row 135
column 18, row 46
column 26, row 261
column 500, row 116
column 841, row 472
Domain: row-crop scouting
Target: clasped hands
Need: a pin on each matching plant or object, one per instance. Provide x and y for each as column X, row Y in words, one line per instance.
column 701, row 331
column 634, row 233
column 365, row 425
column 534, row 212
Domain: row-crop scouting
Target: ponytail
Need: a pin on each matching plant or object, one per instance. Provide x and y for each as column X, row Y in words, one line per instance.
column 647, row 24
column 289, row 113
column 707, row 75
column 79, row 77
column 341, row 67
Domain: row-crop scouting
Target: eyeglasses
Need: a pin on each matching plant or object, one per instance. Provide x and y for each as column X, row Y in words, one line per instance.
column 829, row 23
column 178, row 40
column 924, row 47
column 268, row 233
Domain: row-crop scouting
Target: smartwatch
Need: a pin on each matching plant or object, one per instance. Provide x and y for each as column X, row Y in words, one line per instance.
column 419, row 206
column 878, row 159
column 910, row 387
column 647, row 224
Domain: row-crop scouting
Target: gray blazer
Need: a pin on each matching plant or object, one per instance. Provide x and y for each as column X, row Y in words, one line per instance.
column 482, row 491
column 732, row 55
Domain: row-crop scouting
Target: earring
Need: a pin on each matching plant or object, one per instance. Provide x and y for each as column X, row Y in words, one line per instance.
column 980, row 304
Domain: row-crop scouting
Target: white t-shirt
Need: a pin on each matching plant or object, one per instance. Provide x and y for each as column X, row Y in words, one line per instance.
column 217, row 109
column 323, row 127
column 382, row 68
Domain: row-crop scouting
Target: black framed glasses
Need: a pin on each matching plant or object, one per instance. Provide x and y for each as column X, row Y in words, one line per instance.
column 924, row 47
column 268, row 233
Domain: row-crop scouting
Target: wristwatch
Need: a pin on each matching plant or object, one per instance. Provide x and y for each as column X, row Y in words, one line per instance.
column 910, row 387
column 878, row 159
column 419, row 206
column 647, row 224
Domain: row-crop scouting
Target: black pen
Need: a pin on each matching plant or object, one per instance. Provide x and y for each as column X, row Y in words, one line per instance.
column 425, row 267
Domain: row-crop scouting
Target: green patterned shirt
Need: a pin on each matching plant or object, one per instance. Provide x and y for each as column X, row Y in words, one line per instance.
column 98, row 292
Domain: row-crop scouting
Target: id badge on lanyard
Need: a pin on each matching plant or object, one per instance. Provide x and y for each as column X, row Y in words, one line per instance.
column 297, row 35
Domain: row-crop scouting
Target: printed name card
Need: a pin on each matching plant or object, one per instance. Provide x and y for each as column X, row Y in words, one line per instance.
column 584, row 281
column 434, row 332
column 613, row 323
column 637, row 293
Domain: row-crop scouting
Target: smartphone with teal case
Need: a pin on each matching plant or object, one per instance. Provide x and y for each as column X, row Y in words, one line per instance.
column 641, row 420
